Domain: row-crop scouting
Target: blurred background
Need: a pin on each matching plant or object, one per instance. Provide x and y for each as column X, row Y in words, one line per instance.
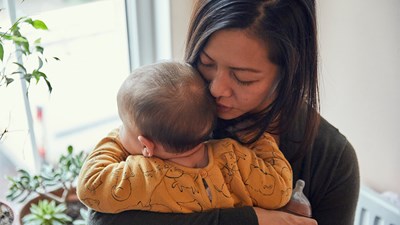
column 100, row 41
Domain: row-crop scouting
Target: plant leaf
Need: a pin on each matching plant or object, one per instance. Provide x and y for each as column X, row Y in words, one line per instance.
column 15, row 26
column 39, row 49
column 25, row 46
column 34, row 209
column 9, row 81
column 28, row 218
column 28, row 20
column 21, row 67
column 6, row 36
column 50, row 88
column 38, row 41
column 28, row 77
column 38, row 24
column 70, row 149
column 40, row 63
column 18, row 39
column 1, row 52
column 37, row 75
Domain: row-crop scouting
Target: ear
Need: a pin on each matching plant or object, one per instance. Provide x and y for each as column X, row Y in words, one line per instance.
column 148, row 146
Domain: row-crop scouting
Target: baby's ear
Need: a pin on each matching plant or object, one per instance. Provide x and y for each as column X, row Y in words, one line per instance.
column 148, row 146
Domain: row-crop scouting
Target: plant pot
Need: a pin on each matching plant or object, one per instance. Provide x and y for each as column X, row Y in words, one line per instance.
column 72, row 202
column 6, row 214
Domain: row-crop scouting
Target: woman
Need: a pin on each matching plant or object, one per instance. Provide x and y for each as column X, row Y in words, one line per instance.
column 260, row 60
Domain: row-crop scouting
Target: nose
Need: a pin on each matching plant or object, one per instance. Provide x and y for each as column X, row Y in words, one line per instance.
column 220, row 85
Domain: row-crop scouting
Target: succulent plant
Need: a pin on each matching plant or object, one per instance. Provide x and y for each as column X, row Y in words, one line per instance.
column 59, row 176
column 47, row 213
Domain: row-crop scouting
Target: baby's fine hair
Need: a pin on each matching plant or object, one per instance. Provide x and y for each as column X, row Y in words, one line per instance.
column 169, row 103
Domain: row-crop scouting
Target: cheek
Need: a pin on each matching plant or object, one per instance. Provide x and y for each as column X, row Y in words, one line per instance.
column 247, row 101
column 256, row 98
column 252, row 101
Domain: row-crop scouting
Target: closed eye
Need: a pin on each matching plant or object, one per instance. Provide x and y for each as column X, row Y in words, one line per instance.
column 241, row 82
column 207, row 65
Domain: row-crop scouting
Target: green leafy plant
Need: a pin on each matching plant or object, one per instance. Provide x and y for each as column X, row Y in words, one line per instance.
column 47, row 213
column 61, row 175
column 27, row 49
column 54, row 183
column 21, row 57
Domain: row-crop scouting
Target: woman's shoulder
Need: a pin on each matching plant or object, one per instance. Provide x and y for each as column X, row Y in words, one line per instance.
column 329, row 157
column 328, row 142
column 329, row 135
column 333, row 166
column 333, row 148
column 331, row 144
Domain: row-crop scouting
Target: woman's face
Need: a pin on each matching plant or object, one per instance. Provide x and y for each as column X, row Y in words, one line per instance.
column 240, row 75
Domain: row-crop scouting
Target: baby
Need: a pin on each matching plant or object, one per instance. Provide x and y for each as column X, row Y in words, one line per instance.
column 162, row 159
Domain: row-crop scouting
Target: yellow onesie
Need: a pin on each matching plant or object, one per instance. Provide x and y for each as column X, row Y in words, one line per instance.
column 112, row 180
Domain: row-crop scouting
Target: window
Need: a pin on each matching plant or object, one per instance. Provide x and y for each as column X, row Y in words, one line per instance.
column 98, row 43
column 89, row 37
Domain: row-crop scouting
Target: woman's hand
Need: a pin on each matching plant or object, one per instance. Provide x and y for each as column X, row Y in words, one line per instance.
column 274, row 217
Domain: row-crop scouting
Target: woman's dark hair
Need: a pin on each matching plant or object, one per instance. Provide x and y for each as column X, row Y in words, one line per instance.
column 288, row 28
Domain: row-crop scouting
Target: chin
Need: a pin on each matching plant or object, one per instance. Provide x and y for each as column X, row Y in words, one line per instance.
column 228, row 116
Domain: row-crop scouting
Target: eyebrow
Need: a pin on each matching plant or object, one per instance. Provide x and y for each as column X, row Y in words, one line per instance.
column 245, row 69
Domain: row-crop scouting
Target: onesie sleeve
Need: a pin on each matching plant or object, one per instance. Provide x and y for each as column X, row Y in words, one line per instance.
column 266, row 173
column 106, row 180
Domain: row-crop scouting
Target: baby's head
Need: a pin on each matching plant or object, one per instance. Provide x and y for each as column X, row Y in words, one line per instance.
column 168, row 103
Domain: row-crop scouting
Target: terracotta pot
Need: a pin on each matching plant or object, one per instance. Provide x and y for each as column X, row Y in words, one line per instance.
column 73, row 204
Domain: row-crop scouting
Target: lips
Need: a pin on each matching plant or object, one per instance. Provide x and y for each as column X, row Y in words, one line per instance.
column 223, row 108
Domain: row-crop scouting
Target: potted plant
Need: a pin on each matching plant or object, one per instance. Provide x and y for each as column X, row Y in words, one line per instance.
column 47, row 213
column 49, row 196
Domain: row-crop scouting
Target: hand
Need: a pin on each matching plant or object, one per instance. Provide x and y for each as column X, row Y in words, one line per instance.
column 273, row 217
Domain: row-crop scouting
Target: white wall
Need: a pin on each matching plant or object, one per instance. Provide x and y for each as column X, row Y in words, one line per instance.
column 180, row 16
column 360, row 82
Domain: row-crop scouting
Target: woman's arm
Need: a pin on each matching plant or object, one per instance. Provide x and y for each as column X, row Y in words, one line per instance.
column 237, row 216
column 337, row 203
